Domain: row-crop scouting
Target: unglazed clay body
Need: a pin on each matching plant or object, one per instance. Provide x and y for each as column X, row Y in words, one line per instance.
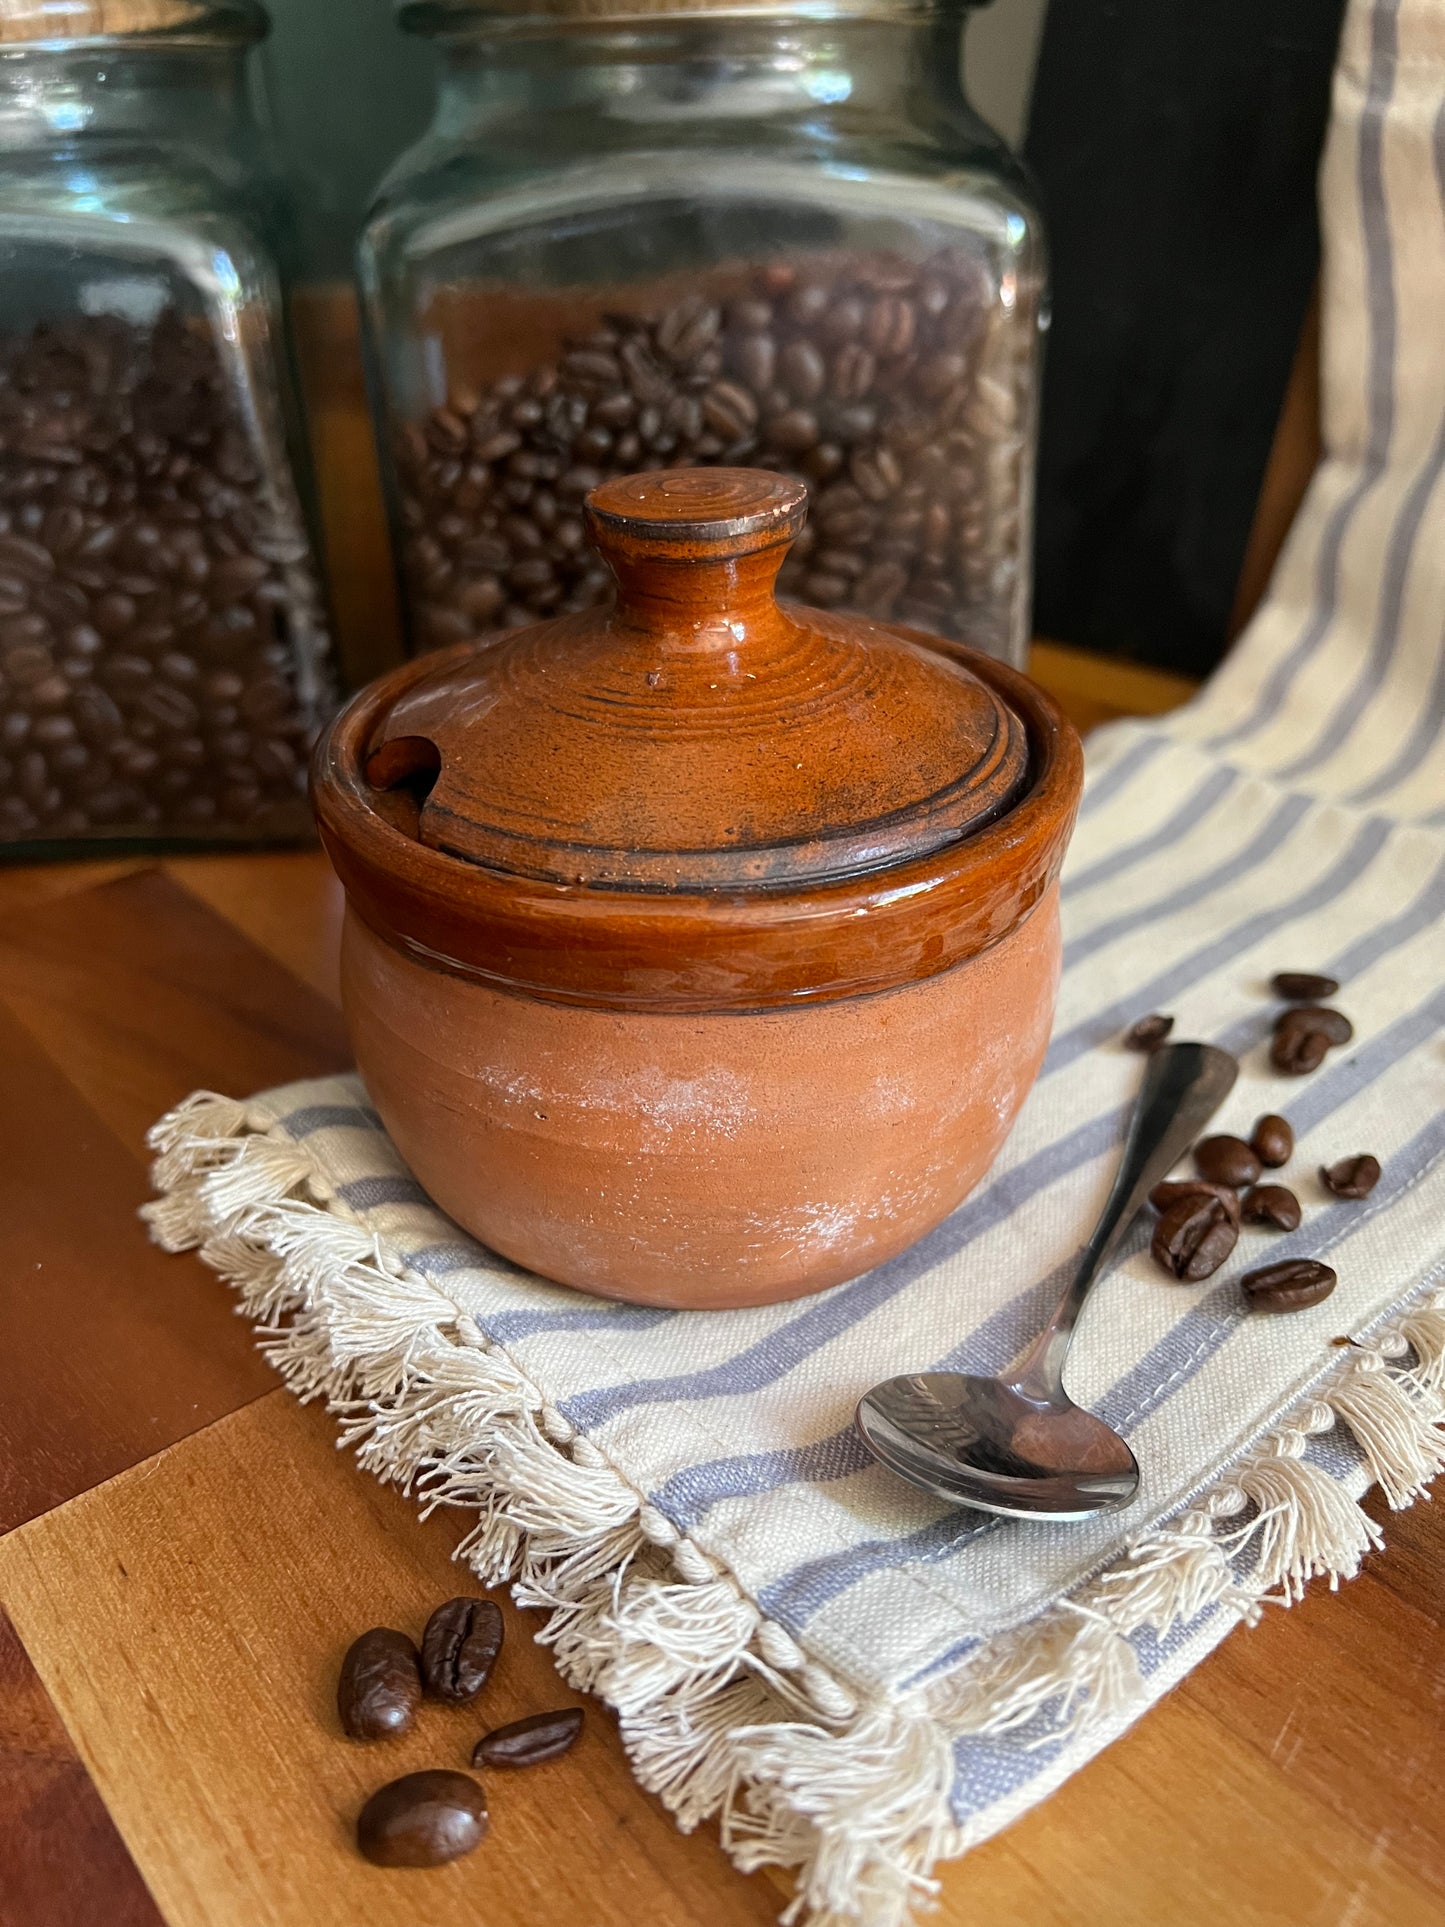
column 702, row 1159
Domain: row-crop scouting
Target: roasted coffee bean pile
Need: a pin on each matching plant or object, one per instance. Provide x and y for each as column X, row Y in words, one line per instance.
column 1200, row 1218
column 161, row 635
column 867, row 380
column 425, row 1819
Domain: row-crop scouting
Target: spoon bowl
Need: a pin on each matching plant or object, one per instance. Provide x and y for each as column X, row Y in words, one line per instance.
column 1017, row 1444
column 986, row 1443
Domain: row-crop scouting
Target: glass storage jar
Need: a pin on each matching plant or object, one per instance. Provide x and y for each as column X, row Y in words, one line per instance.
column 163, row 648
column 770, row 235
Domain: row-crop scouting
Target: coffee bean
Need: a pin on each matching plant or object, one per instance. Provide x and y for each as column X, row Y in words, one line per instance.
column 1297, row 1052
column 422, row 1820
column 1149, row 1032
column 380, row 1685
column 29, row 560
column 1333, row 1025
column 755, row 357
column 541, row 1736
column 1272, row 1204
column 794, row 431
column 1292, row 1285
column 460, row 1646
column 851, row 374
column 807, row 305
column 802, row 370
column 1272, row 1140
column 876, row 473
column 878, row 588
column 730, row 410
column 1304, row 1033
column 1164, row 1196
column 688, row 328
column 1302, row 986
column 890, row 326
column 1194, row 1237
column 1226, row 1160
column 1351, row 1177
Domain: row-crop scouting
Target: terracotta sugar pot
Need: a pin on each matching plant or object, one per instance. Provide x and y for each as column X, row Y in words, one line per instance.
column 699, row 951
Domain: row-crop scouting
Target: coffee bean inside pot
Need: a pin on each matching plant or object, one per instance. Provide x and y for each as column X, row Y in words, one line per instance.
column 1303, row 986
column 876, row 380
column 541, row 1736
column 1194, row 1237
column 380, row 1685
column 422, row 1820
column 1149, row 1032
column 1274, row 1205
column 1291, row 1285
column 460, row 1646
column 162, row 639
column 1226, row 1160
column 1354, row 1177
column 1272, row 1140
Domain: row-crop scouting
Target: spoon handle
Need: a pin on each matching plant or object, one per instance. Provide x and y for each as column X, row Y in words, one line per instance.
column 1184, row 1085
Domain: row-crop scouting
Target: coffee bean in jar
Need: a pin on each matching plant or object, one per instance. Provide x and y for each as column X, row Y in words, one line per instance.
column 163, row 651
column 869, row 377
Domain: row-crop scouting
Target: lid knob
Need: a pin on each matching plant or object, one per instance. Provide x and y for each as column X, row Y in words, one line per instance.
column 696, row 551
column 696, row 514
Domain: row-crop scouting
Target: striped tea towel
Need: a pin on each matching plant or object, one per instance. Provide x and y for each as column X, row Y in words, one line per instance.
column 858, row 1680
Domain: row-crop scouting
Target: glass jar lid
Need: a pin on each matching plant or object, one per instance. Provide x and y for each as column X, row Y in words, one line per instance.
column 459, row 17
column 698, row 736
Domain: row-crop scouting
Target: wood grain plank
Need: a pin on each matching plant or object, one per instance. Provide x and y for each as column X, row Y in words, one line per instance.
column 1414, row 1566
column 288, row 905
column 109, row 1349
column 1179, row 1824
column 23, row 886
column 183, row 1662
column 1338, row 1681
column 188, row 1619
column 62, row 1863
column 1095, row 689
column 140, row 994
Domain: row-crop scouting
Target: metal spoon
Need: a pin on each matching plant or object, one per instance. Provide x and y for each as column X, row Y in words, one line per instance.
column 1017, row 1444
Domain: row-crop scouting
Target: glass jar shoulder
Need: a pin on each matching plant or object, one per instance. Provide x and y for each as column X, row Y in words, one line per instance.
column 141, row 182
column 446, row 191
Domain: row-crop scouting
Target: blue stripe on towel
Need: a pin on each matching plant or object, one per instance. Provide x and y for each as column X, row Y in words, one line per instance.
column 1379, row 293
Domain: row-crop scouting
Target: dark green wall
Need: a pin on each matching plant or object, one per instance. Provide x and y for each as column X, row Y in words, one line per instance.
column 345, row 91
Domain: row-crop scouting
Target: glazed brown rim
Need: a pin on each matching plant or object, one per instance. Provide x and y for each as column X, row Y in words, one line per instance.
column 749, row 950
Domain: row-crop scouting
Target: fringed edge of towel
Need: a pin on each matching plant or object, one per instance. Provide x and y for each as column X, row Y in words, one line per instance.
column 721, row 1710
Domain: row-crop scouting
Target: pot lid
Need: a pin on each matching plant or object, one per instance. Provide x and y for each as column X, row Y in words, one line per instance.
column 697, row 735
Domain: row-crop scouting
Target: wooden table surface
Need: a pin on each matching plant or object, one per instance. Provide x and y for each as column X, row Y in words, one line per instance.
column 185, row 1555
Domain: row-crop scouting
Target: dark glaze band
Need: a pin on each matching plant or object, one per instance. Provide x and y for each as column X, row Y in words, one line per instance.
column 746, row 951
